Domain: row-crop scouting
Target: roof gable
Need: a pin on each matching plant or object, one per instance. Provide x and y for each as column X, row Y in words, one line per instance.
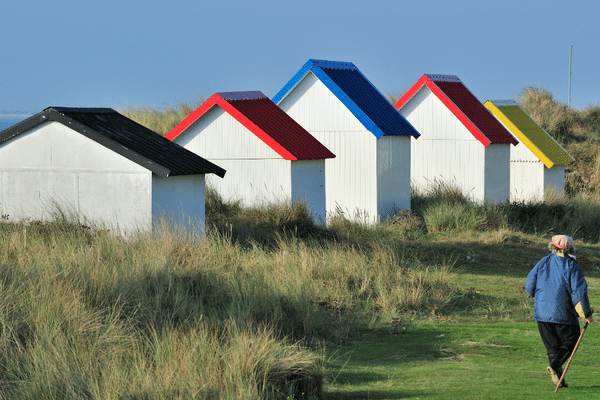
column 461, row 102
column 264, row 119
column 528, row 132
column 123, row 136
column 357, row 93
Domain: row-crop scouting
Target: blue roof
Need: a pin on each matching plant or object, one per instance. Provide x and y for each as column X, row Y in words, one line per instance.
column 359, row 95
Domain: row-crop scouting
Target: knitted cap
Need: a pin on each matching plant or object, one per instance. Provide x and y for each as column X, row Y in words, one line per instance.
column 562, row 242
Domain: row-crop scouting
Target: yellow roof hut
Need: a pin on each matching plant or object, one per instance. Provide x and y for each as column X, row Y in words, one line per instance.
column 537, row 163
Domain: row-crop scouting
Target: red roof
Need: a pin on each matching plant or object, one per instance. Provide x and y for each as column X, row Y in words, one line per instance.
column 461, row 102
column 266, row 120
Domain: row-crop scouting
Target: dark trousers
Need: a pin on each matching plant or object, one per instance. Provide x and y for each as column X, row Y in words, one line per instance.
column 559, row 340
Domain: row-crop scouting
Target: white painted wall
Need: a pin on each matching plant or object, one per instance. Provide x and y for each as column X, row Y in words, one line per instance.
column 554, row 179
column 256, row 174
column 357, row 179
column 530, row 178
column 393, row 155
column 497, row 173
column 255, row 182
column 446, row 152
column 520, row 152
column 308, row 185
column 526, row 181
column 180, row 201
column 53, row 164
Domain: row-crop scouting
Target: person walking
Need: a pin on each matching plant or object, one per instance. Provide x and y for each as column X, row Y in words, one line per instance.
column 560, row 295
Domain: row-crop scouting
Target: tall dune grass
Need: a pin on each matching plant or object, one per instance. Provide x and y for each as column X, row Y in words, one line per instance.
column 86, row 314
column 162, row 119
column 244, row 312
column 578, row 130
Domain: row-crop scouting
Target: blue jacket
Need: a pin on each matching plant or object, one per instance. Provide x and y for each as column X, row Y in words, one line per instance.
column 559, row 289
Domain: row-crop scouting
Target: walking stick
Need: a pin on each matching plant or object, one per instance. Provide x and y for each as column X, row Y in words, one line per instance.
column 562, row 377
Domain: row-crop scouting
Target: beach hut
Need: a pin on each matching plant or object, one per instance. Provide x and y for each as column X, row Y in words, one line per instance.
column 369, row 179
column 104, row 167
column 462, row 144
column 269, row 157
column 537, row 163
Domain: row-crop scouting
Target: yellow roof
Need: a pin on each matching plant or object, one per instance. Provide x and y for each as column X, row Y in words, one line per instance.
column 528, row 132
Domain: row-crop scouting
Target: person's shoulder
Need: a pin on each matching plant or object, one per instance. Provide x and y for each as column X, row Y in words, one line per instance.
column 572, row 262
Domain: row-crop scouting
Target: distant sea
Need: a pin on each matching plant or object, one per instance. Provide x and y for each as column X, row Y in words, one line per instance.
column 6, row 121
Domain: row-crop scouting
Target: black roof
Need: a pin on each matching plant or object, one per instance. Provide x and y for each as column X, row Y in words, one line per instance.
column 123, row 136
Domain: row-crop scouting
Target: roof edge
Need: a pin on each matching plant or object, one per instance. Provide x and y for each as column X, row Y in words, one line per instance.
column 504, row 102
column 492, row 106
column 193, row 117
column 252, row 127
column 405, row 98
column 291, row 84
column 425, row 80
column 56, row 115
column 247, row 95
column 348, row 102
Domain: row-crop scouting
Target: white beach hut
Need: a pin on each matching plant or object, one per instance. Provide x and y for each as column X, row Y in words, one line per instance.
column 369, row 180
column 268, row 156
column 537, row 163
column 462, row 144
column 103, row 166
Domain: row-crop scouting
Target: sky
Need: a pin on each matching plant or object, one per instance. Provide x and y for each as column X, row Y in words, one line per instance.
column 121, row 53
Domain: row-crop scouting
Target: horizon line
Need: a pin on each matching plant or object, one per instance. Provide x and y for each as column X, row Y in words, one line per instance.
column 15, row 115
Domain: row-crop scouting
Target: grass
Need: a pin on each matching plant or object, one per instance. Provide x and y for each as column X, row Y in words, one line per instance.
column 428, row 304
column 244, row 314
column 161, row 120
column 439, row 360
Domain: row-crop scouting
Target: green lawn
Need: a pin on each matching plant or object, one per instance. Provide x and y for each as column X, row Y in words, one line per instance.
column 447, row 360
column 494, row 352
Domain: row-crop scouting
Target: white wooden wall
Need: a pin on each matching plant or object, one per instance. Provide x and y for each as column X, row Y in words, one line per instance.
column 53, row 164
column 308, row 185
column 393, row 175
column 554, row 178
column 256, row 174
column 497, row 173
column 446, row 152
column 530, row 178
column 356, row 178
column 179, row 200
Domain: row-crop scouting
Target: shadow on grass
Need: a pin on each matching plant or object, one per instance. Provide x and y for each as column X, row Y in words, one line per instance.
column 512, row 260
column 358, row 365
column 368, row 394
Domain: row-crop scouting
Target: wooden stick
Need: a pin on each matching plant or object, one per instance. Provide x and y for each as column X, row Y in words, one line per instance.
column 562, row 377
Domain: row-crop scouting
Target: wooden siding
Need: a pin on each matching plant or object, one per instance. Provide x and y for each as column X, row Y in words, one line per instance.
column 393, row 155
column 554, row 179
column 497, row 173
column 447, row 153
column 526, row 180
column 256, row 174
column 521, row 153
column 180, row 202
column 218, row 136
column 254, row 182
column 316, row 108
column 529, row 180
column 530, row 177
column 52, row 164
column 351, row 179
column 308, row 185
column 426, row 112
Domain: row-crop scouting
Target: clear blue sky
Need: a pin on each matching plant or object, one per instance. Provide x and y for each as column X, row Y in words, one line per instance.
column 111, row 53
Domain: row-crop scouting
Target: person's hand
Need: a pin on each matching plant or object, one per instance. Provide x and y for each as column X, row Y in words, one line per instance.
column 589, row 319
